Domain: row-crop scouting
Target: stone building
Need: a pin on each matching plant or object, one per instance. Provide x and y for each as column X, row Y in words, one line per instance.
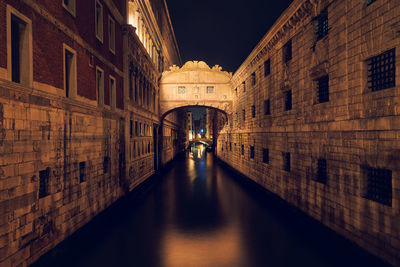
column 79, row 114
column 315, row 117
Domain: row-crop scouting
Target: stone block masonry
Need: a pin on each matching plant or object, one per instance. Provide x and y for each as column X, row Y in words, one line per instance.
column 318, row 125
column 53, row 173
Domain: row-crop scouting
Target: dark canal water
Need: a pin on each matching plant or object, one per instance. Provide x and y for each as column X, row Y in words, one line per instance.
column 198, row 213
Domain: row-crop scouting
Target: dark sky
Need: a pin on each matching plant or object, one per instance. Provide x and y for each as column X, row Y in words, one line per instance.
column 222, row 32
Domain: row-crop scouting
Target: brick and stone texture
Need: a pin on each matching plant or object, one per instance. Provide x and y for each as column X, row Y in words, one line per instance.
column 355, row 130
column 69, row 151
column 63, row 160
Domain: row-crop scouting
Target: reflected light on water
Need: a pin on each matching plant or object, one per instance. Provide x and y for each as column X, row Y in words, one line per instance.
column 221, row 249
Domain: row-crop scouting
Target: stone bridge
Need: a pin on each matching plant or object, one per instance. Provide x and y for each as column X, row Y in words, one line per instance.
column 195, row 84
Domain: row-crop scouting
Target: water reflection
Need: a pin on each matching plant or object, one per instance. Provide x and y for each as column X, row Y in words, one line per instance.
column 196, row 215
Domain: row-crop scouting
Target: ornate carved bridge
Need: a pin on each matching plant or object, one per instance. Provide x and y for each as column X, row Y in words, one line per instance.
column 195, row 84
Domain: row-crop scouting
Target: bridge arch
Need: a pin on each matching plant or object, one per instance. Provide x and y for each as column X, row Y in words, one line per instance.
column 195, row 85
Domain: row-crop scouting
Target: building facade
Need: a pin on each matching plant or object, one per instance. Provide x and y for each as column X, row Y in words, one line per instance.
column 315, row 117
column 79, row 114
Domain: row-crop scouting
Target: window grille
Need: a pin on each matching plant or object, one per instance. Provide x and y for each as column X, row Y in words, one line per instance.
column 379, row 186
column 181, row 90
column 382, row 71
column 322, row 171
column 210, row 89
column 322, row 25
column 266, row 155
column 288, row 100
column 323, row 89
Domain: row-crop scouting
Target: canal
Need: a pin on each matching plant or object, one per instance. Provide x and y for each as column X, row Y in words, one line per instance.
column 198, row 213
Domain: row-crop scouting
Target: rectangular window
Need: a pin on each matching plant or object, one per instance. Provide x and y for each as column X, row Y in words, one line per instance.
column 100, row 86
column 321, row 25
column 210, row 89
column 267, row 67
column 19, row 51
column 382, row 71
column 236, row 91
column 266, row 155
column 286, row 161
column 287, row 51
column 70, row 6
column 131, row 128
column 267, row 107
column 323, row 89
column 106, row 164
column 111, row 34
column 242, row 149
column 244, row 114
column 69, row 72
column 44, row 183
column 181, row 90
column 368, row 2
column 113, row 91
column 253, row 111
column 322, row 171
column 253, row 79
column 379, row 185
column 136, row 129
column 252, row 152
column 288, row 100
column 99, row 20
column 82, row 171
column 230, row 146
column 244, row 86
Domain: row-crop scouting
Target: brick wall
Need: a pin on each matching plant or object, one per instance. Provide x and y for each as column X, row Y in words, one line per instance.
column 355, row 130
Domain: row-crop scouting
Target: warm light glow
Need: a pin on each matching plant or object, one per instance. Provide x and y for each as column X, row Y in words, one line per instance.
column 221, row 249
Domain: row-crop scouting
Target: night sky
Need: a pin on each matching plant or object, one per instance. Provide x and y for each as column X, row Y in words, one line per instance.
column 222, row 32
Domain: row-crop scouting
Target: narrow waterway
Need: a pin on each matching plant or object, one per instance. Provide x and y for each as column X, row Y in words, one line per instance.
column 197, row 213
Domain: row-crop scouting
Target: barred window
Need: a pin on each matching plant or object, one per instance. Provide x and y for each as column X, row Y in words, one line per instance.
column 181, row 90
column 286, row 161
column 253, row 111
column 288, row 100
column 379, row 185
column 321, row 27
column 382, row 71
column 210, row 90
column 322, row 171
column 267, row 107
column 267, row 67
column 252, row 152
column 287, row 51
column 323, row 89
column 266, row 155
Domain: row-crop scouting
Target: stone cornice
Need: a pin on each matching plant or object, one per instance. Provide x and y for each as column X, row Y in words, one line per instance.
column 288, row 20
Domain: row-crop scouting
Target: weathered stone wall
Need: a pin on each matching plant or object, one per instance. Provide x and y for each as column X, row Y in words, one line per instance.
column 77, row 146
column 355, row 130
